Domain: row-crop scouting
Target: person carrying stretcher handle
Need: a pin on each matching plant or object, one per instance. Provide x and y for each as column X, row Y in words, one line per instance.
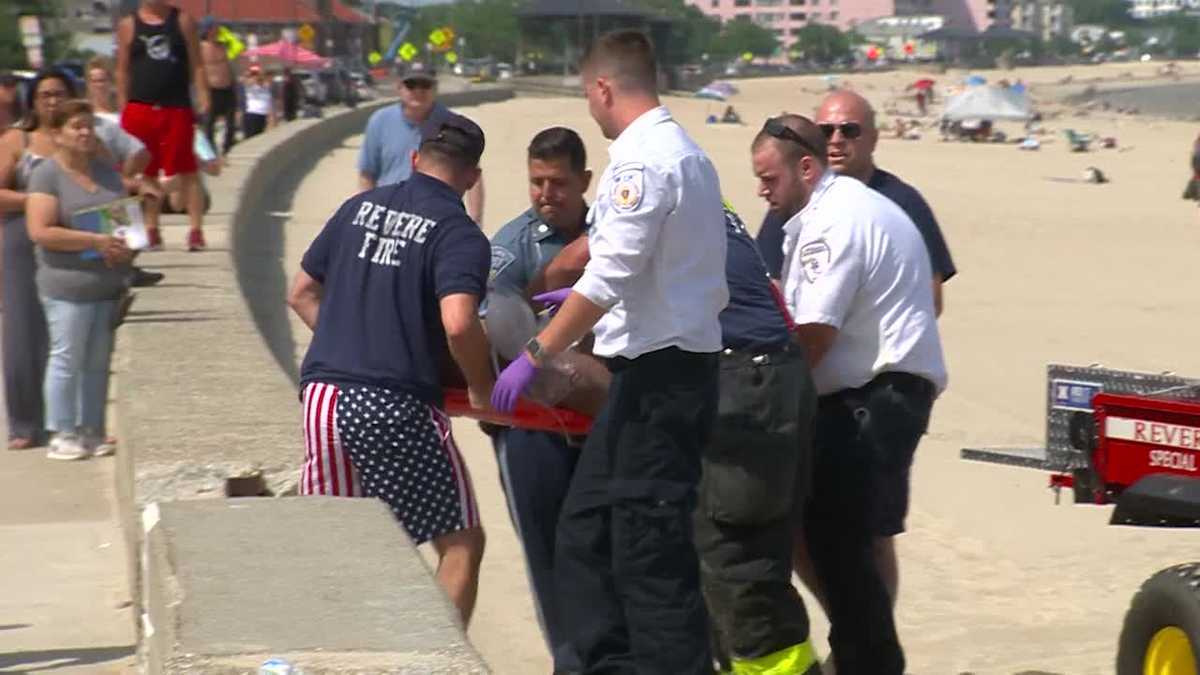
column 756, row 470
column 626, row 568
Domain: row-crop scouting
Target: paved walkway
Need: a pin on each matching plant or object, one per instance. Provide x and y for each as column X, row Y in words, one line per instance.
column 64, row 600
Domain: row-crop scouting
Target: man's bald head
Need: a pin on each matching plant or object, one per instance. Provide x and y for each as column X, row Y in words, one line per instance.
column 849, row 103
column 847, row 121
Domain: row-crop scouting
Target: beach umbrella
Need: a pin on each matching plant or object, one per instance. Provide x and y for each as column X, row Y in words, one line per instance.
column 975, row 80
column 288, row 53
column 923, row 83
column 724, row 86
column 988, row 103
column 711, row 94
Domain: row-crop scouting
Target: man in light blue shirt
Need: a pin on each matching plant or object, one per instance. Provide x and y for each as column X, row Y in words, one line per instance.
column 394, row 133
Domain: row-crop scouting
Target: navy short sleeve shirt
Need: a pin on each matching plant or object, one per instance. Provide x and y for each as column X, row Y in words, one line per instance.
column 770, row 235
column 752, row 320
column 385, row 260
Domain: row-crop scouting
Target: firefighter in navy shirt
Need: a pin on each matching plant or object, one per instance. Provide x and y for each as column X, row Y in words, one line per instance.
column 391, row 288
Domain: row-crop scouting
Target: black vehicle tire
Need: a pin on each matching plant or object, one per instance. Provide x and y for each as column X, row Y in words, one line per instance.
column 1169, row 599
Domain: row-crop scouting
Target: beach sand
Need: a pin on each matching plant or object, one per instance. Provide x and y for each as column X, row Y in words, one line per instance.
column 995, row 577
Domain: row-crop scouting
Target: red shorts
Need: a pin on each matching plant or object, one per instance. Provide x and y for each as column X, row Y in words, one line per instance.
column 167, row 133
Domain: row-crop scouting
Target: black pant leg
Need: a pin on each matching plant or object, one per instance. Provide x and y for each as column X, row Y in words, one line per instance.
column 838, row 527
column 663, row 417
column 535, row 471
column 754, row 483
column 583, row 556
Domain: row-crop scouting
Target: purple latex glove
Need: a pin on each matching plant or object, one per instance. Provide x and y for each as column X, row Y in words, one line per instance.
column 512, row 383
column 553, row 299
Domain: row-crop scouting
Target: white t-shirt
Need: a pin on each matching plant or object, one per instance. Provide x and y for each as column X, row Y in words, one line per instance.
column 855, row 261
column 258, row 99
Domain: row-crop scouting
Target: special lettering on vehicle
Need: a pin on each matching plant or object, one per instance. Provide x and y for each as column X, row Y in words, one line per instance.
column 385, row 232
column 1163, row 436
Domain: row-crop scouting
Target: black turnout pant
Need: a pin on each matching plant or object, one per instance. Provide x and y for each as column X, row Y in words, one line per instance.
column 627, row 573
column 864, row 444
column 223, row 104
column 756, row 477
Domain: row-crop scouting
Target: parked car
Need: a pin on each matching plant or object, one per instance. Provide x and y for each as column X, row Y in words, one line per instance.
column 314, row 89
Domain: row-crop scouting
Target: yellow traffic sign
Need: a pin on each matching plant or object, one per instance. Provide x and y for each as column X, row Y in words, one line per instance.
column 374, row 58
column 307, row 34
column 452, row 57
column 408, row 51
column 438, row 37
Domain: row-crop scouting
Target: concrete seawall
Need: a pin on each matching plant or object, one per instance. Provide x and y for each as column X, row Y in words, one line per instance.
column 206, row 402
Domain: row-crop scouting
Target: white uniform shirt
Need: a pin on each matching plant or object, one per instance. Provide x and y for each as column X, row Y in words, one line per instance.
column 657, row 244
column 855, row 261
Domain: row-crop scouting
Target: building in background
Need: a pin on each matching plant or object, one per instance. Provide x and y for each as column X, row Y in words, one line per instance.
column 1046, row 19
column 1149, row 9
column 786, row 17
column 900, row 36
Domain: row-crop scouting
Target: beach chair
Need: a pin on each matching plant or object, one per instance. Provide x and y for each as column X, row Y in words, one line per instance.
column 1076, row 141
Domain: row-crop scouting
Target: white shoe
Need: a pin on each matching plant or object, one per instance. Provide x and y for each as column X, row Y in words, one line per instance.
column 99, row 446
column 66, row 447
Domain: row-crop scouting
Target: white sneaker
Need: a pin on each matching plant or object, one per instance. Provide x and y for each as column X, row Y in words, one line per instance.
column 67, row 448
column 99, row 446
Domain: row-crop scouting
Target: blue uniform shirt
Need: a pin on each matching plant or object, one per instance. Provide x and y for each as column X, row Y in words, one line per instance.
column 385, row 260
column 522, row 249
column 752, row 320
column 391, row 139
column 770, row 235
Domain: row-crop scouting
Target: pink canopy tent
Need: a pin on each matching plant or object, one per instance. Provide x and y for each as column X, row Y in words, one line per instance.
column 286, row 52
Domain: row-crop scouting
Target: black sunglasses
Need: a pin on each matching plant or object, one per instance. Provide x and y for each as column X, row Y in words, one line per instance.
column 850, row 130
column 418, row 83
column 777, row 129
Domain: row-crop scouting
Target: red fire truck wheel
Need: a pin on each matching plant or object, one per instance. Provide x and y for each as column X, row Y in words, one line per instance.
column 1161, row 635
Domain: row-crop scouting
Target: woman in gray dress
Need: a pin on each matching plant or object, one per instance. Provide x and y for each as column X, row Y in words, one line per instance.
column 25, row 340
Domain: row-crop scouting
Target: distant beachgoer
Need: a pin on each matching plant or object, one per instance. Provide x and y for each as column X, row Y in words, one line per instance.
column 219, row 73
column 731, row 116
column 922, row 108
column 1193, row 187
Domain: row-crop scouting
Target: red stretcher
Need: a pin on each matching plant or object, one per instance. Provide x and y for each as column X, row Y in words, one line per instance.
column 527, row 415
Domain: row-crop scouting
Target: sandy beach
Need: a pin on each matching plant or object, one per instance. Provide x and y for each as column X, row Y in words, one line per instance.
column 995, row 577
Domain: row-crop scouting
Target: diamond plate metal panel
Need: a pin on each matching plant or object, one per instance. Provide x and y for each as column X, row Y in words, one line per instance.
column 1069, row 390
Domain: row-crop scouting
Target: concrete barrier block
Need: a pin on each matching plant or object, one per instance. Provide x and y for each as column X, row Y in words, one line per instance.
column 332, row 585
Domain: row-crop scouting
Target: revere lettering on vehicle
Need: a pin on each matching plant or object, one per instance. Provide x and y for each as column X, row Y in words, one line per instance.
column 389, row 231
column 1159, row 434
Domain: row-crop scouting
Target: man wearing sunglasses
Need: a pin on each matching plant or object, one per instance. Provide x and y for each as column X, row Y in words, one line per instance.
column 856, row 280
column 848, row 123
column 394, row 133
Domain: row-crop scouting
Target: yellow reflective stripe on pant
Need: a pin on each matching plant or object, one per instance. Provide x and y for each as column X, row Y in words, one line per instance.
column 794, row 660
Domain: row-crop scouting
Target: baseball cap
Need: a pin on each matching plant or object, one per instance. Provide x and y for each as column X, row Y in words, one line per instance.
column 416, row 70
column 455, row 133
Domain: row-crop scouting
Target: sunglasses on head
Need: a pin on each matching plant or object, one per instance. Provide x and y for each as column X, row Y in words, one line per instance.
column 418, row 83
column 850, row 130
column 775, row 128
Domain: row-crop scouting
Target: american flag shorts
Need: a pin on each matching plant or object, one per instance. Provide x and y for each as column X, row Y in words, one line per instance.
column 364, row 441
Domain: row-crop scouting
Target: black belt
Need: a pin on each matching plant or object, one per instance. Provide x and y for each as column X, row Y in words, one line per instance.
column 759, row 357
column 905, row 383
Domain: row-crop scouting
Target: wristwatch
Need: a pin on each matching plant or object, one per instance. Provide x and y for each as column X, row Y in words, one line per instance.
column 535, row 351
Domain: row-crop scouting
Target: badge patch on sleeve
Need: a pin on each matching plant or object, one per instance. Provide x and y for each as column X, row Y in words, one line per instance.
column 501, row 259
column 626, row 192
column 814, row 259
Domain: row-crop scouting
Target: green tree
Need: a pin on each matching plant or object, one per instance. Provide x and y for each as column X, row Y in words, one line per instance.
column 821, row 43
column 1182, row 33
column 486, row 27
column 739, row 36
column 1110, row 13
column 56, row 40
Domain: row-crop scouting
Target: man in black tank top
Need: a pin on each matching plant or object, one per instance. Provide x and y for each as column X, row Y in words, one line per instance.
column 158, row 66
